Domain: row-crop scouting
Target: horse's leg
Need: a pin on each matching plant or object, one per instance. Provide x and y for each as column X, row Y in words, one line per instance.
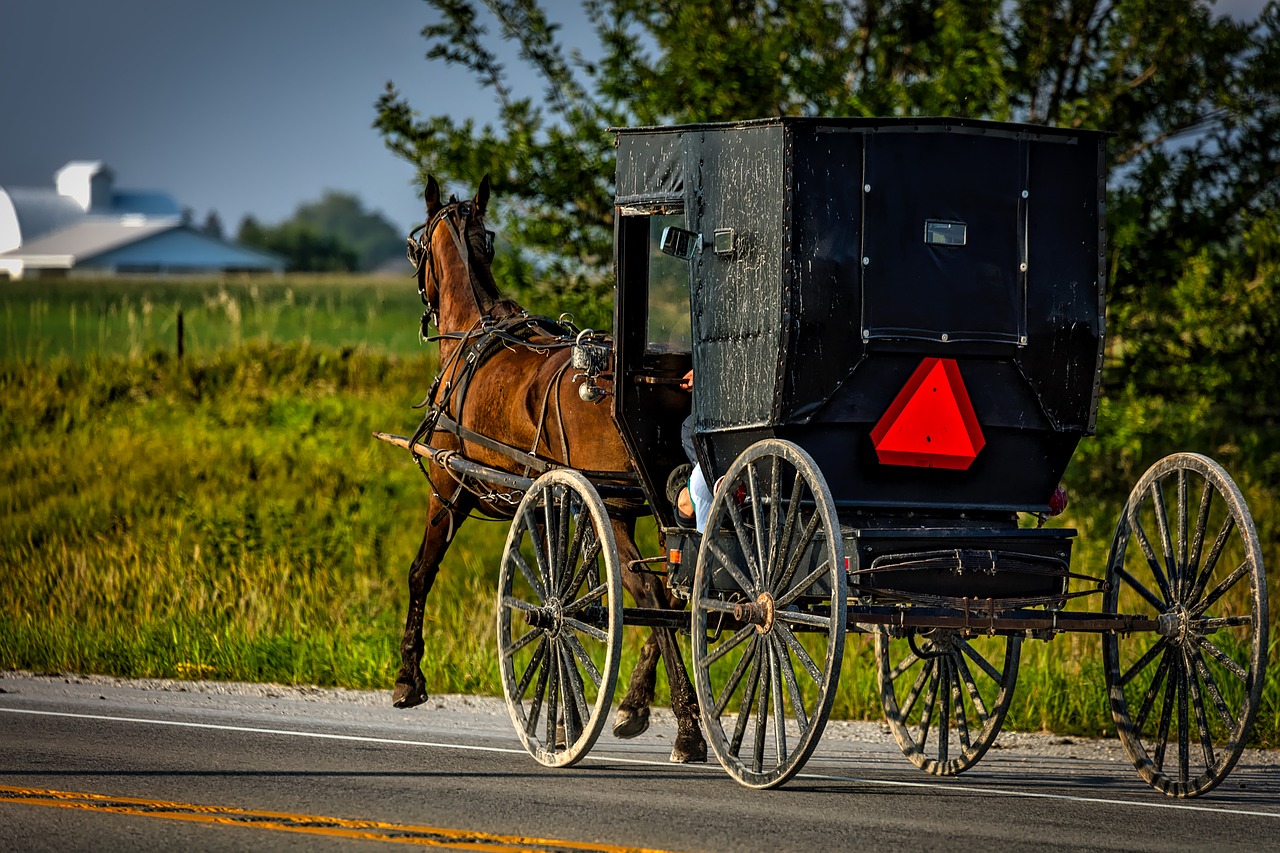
column 411, row 688
column 633, row 710
column 648, row 591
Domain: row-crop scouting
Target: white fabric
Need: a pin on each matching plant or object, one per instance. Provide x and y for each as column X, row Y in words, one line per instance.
column 700, row 494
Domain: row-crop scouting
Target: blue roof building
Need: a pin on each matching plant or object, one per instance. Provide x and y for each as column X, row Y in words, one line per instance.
column 84, row 226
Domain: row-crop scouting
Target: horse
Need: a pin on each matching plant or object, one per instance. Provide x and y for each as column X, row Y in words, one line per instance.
column 507, row 400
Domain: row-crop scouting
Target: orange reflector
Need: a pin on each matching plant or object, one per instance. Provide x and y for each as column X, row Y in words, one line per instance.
column 931, row 423
column 673, row 556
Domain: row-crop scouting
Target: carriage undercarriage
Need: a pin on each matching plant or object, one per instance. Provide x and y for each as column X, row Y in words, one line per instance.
column 947, row 664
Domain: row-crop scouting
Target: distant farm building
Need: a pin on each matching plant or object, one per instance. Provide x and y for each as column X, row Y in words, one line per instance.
column 85, row 226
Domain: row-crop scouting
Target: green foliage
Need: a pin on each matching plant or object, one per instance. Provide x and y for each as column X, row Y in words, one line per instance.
column 303, row 246
column 342, row 217
column 1150, row 72
column 334, row 234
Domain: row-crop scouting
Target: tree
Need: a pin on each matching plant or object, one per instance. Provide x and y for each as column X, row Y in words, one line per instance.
column 342, row 216
column 212, row 225
column 1154, row 72
column 334, row 234
column 304, row 248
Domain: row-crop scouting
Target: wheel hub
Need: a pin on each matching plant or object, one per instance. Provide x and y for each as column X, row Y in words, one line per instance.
column 759, row 612
column 549, row 617
column 1175, row 623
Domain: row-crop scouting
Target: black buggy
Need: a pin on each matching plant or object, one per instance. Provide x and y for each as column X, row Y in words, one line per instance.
column 896, row 329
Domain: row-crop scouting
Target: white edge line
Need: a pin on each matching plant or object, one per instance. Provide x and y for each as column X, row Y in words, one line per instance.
column 949, row 788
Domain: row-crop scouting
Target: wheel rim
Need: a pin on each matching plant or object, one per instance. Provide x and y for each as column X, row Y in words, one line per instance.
column 1186, row 553
column 945, row 696
column 559, row 618
column 768, row 614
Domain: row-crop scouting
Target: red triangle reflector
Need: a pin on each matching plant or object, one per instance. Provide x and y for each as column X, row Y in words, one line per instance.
column 931, row 423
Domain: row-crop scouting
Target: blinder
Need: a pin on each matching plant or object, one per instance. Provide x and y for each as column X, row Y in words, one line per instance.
column 418, row 248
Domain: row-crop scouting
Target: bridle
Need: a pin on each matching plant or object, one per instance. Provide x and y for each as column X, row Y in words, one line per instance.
column 456, row 216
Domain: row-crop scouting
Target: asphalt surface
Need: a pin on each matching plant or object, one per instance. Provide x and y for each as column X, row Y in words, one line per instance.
column 103, row 764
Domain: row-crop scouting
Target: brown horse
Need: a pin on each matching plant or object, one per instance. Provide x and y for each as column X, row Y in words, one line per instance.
column 517, row 397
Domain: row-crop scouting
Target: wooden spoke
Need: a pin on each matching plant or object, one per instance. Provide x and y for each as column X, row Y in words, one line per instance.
column 783, row 560
column 532, row 669
column 522, row 641
column 1166, row 538
column 775, row 543
column 1197, row 538
column 748, row 701
column 559, row 688
column 534, row 581
column 1212, row 646
column 1221, row 589
column 1153, row 562
column 757, row 520
column 1223, row 658
column 579, row 651
column 1215, row 694
column 725, row 562
column 1142, row 662
column 1153, row 690
column 1211, row 561
column 945, row 695
column 589, row 630
column 789, row 675
column 1197, row 701
column 776, row 579
column 1136, row 586
column 730, row 644
column 799, row 651
column 972, row 691
column 731, row 685
column 805, row 586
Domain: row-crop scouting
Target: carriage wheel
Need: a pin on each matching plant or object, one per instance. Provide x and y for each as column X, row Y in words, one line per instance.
column 768, row 613
column 559, row 618
column 1184, row 697
column 945, row 696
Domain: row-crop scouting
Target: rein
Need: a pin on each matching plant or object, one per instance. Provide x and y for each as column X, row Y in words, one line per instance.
column 455, row 215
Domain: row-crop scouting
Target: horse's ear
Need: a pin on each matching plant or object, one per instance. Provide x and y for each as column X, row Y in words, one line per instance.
column 432, row 195
column 481, row 200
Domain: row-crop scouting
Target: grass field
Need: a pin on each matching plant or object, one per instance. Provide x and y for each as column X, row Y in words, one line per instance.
column 229, row 516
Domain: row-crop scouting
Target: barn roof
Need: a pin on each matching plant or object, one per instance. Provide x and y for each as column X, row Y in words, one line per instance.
column 88, row 239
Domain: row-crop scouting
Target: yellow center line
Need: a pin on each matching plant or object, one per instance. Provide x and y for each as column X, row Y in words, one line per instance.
column 427, row 836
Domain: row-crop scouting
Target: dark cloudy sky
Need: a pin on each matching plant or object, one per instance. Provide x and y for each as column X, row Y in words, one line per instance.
column 238, row 106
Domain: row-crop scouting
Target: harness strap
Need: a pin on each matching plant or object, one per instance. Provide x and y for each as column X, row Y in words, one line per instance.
column 528, row 458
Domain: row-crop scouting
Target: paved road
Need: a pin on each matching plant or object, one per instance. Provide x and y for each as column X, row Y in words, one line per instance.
column 101, row 764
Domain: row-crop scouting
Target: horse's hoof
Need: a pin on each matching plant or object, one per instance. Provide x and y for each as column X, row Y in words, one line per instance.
column 684, row 756
column 629, row 723
column 689, row 750
column 408, row 695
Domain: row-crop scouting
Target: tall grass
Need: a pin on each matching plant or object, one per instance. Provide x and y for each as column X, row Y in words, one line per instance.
column 229, row 515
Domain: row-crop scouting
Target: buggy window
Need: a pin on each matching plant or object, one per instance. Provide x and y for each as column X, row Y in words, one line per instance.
column 668, row 313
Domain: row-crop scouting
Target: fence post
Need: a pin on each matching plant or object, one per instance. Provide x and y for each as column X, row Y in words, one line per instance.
column 182, row 344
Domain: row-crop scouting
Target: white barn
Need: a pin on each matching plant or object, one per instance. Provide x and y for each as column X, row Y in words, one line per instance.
column 85, row 226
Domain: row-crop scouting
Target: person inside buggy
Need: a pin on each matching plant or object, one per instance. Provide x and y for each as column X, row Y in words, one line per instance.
column 687, row 487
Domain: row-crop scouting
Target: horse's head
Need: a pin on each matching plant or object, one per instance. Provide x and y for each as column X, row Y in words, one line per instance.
column 452, row 252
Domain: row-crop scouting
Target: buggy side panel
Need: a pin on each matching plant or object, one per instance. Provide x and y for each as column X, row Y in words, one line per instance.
column 735, row 180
